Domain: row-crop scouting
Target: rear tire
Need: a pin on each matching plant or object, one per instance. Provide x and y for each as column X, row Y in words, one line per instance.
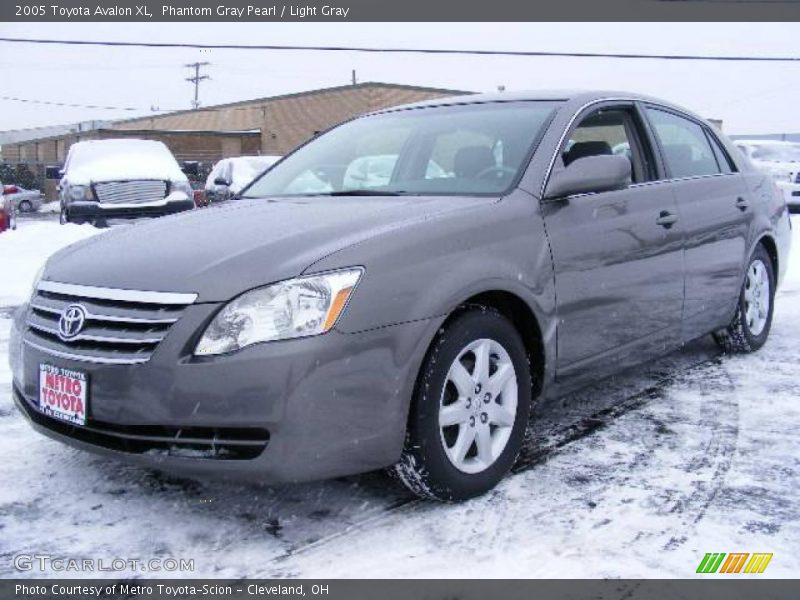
column 25, row 206
column 751, row 323
column 470, row 409
column 63, row 216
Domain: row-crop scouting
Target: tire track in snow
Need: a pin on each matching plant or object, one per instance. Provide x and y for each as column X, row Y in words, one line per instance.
column 532, row 453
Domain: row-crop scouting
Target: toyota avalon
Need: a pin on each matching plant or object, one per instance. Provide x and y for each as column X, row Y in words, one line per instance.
column 327, row 323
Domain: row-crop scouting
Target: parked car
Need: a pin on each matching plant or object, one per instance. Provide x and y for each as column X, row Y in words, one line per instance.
column 779, row 159
column 306, row 334
column 8, row 213
column 230, row 175
column 121, row 179
column 24, row 200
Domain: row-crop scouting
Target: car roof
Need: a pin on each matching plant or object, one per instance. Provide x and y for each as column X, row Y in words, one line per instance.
column 577, row 96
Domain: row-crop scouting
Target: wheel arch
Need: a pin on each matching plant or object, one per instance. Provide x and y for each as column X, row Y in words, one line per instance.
column 525, row 321
column 771, row 247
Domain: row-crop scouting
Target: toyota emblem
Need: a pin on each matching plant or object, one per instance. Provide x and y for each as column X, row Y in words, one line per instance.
column 71, row 322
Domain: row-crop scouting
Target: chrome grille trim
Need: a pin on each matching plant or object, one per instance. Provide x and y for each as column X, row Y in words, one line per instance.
column 95, row 338
column 143, row 191
column 121, row 327
column 102, row 293
column 111, row 318
column 86, row 357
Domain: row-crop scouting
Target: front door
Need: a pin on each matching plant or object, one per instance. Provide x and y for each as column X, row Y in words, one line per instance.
column 617, row 256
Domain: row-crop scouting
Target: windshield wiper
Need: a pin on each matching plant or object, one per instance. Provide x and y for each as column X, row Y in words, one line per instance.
column 366, row 192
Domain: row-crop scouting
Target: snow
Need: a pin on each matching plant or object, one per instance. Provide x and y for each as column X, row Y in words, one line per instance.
column 26, row 249
column 120, row 160
column 241, row 169
column 638, row 476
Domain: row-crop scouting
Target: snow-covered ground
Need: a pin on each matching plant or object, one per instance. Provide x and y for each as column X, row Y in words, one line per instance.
column 639, row 476
column 24, row 251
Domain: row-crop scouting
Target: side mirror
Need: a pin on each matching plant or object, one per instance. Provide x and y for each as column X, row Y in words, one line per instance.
column 591, row 174
column 221, row 181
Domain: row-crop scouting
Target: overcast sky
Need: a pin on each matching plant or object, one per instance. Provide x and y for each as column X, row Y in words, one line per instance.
column 749, row 97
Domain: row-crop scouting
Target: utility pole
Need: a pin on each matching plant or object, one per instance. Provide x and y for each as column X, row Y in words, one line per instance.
column 355, row 81
column 196, row 80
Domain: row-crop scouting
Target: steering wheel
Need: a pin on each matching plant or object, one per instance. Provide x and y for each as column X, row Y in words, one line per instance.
column 496, row 169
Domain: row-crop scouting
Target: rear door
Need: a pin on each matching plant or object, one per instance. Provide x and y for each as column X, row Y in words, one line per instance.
column 618, row 256
column 716, row 212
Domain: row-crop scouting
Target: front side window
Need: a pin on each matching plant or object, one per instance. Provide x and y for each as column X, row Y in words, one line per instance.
column 610, row 131
column 687, row 151
column 449, row 150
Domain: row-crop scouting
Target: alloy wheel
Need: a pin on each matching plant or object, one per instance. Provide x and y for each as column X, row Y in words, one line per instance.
column 757, row 297
column 478, row 406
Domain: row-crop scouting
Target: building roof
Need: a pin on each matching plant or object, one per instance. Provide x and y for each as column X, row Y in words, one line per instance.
column 266, row 99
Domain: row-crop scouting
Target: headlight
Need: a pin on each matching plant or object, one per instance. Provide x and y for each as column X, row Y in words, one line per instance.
column 80, row 192
column 290, row 309
column 182, row 186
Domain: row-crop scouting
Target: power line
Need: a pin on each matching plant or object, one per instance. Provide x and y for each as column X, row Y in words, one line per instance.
column 451, row 51
column 68, row 105
column 196, row 80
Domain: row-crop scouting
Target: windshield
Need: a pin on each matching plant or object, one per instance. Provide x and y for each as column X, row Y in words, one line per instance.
column 777, row 152
column 451, row 150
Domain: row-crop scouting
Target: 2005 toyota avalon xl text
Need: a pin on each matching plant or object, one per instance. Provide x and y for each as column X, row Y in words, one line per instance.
column 398, row 291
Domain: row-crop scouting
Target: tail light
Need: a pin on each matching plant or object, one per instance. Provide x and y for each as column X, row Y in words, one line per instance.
column 200, row 198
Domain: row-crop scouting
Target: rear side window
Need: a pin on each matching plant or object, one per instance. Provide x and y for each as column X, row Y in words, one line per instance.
column 686, row 148
column 723, row 159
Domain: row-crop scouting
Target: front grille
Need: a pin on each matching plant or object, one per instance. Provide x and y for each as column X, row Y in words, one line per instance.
column 131, row 192
column 121, row 326
column 217, row 443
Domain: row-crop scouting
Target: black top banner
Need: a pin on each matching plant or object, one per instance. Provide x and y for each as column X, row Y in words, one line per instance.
column 398, row 10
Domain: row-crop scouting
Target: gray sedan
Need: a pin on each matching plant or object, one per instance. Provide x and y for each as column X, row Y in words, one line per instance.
column 326, row 325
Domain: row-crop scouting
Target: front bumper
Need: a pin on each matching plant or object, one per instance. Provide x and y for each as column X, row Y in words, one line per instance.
column 94, row 210
column 320, row 407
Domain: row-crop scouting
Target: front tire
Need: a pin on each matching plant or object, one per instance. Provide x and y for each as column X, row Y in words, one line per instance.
column 25, row 206
column 470, row 409
column 751, row 324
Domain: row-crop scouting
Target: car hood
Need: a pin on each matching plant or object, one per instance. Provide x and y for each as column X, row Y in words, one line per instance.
column 222, row 251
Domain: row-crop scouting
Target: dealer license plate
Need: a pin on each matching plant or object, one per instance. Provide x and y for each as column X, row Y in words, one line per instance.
column 63, row 393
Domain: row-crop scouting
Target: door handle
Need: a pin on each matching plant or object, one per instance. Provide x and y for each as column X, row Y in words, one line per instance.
column 742, row 204
column 667, row 219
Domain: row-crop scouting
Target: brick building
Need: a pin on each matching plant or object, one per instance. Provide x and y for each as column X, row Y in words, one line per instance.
column 272, row 125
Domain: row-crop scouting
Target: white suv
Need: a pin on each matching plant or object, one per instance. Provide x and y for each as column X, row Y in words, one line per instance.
column 121, row 179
